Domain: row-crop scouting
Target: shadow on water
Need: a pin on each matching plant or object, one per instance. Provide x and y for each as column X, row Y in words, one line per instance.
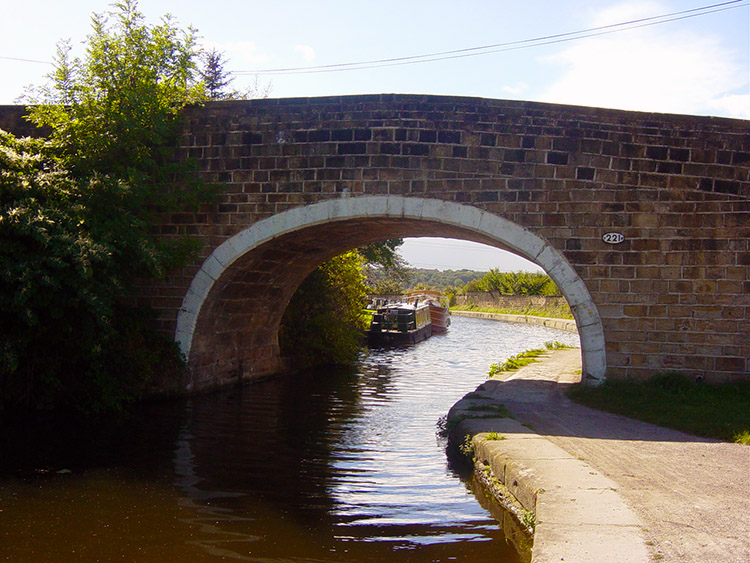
column 299, row 463
column 328, row 465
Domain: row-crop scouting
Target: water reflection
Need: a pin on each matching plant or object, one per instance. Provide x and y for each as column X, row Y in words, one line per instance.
column 329, row 465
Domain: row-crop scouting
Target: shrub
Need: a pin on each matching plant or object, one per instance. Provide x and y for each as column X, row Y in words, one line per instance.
column 324, row 321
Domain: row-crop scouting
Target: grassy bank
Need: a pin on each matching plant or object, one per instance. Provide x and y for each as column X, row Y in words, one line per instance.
column 547, row 312
column 524, row 358
column 674, row 401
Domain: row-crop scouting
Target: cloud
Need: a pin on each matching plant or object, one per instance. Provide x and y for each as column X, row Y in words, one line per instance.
column 239, row 53
column 629, row 11
column 648, row 69
column 308, row 53
column 737, row 105
column 515, row 89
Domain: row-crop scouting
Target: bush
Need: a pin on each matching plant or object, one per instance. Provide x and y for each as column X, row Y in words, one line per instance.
column 76, row 216
column 324, row 322
column 63, row 287
column 514, row 283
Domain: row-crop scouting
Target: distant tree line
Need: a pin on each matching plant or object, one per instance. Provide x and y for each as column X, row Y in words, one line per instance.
column 514, row 283
column 462, row 281
column 441, row 279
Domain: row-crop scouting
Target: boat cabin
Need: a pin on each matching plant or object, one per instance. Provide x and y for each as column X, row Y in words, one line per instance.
column 400, row 323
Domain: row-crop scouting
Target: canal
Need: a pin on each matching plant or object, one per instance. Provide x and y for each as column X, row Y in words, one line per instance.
column 328, row 465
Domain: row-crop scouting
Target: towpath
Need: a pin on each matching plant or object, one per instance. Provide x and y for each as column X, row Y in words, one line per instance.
column 691, row 494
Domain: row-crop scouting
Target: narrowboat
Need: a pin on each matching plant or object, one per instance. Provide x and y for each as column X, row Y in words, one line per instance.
column 440, row 312
column 400, row 323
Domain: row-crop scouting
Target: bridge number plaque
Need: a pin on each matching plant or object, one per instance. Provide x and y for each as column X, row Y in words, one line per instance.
column 613, row 238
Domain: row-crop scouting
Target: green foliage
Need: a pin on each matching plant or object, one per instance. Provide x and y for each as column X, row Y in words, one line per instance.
column 385, row 270
column 384, row 286
column 525, row 358
column 528, row 519
column 514, row 283
column 556, row 345
column 442, row 280
column 76, row 215
column 382, row 253
column 61, row 291
column 402, row 279
column 461, row 281
column 215, row 77
column 116, row 111
column 674, row 401
column 515, row 362
column 324, row 322
column 467, row 446
column 51, row 265
column 114, row 119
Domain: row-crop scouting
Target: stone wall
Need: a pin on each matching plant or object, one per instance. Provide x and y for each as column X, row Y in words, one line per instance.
column 494, row 300
column 12, row 119
column 674, row 294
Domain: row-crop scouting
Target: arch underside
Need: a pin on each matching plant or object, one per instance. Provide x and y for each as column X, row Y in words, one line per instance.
column 228, row 324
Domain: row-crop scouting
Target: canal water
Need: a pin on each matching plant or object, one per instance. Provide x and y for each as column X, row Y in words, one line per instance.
column 328, row 465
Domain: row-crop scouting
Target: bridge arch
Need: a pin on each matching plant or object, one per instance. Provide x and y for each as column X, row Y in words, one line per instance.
column 285, row 247
column 671, row 288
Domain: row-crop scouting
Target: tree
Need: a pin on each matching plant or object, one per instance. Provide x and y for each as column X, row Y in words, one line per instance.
column 65, row 326
column 324, row 321
column 386, row 271
column 116, row 111
column 515, row 283
column 383, row 254
column 214, row 76
column 217, row 80
column 76, row 215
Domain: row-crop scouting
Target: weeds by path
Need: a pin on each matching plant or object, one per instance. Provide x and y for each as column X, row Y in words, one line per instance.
column 674, row 401
column 524, row 358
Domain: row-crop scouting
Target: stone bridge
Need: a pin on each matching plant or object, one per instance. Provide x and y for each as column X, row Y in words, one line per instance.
column 642, row 220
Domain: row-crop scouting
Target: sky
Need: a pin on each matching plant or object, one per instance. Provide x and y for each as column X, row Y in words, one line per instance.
column 691, row 62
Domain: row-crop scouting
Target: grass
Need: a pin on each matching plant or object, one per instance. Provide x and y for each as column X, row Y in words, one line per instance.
column 467, row 446
column 547, row 312
column 515, row 362
column 674, row 401
column 524, row 358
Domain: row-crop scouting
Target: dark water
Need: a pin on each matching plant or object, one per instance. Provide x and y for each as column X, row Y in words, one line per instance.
column 329, row 465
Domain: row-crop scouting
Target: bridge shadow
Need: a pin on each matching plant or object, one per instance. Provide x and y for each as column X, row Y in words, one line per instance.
column 545, row 408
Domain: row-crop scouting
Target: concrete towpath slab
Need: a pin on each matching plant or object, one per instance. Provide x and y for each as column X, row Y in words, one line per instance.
column 579, row 515
column 691, row 495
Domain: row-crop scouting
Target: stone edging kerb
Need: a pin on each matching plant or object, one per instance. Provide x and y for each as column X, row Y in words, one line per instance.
column 578, row 513
column 568, row 325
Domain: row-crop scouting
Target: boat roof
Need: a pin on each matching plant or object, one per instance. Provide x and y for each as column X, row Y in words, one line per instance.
column 411, row 306
column 425, row 292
